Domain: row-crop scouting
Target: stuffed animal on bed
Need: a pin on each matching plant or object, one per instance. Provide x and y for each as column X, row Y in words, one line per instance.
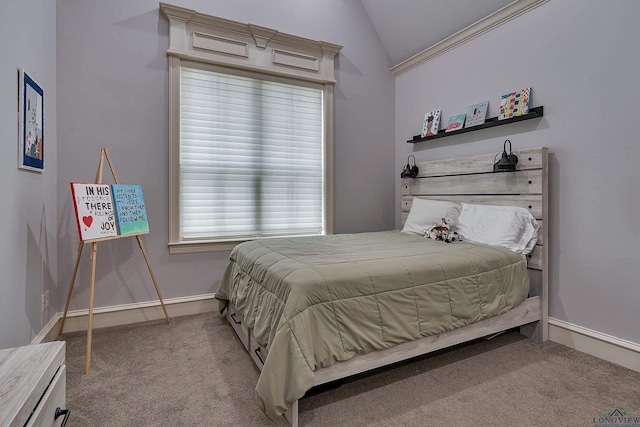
column 442, row 232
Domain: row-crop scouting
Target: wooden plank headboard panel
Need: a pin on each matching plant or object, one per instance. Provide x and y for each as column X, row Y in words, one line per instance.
column 472, row 180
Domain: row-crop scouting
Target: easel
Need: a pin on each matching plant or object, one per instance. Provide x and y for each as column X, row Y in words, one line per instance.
column 94, row 248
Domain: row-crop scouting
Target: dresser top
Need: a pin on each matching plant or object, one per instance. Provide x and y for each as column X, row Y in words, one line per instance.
column 25, row 374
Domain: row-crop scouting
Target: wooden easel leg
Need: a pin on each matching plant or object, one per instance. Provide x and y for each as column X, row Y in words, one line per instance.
column 73, row 280
column 146, row 259
column 94, row 250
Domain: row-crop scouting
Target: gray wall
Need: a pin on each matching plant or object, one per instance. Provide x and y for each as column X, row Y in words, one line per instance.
column 581, row 59
column 113, row 92
column 28, row 217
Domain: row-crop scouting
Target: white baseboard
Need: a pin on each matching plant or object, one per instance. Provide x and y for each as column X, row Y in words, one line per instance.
column 117, row 315
column 603, row 346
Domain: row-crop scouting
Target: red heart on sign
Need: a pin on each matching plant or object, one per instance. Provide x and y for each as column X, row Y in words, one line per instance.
column 88, row 220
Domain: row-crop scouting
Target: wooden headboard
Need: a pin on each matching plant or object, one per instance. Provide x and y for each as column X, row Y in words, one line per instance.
column 472, row 180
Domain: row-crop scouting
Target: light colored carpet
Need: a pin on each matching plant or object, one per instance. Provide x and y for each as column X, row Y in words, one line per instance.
column 193, row 372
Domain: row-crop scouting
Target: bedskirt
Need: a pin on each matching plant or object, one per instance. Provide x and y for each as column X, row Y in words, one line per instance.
column 314, row 301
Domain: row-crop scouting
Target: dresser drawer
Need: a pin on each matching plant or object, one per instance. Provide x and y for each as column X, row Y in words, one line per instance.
column 238, row 324
column 55, row 397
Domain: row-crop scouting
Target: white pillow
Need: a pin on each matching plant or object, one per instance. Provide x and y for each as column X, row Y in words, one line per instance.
column 507, row 226
column 425, row 213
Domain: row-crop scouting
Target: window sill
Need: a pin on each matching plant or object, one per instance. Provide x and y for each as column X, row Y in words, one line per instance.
column 203, row 246
column 219, row 245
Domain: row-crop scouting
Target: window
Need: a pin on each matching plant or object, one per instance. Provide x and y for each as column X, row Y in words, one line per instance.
column 250, row 132
column 251, row 157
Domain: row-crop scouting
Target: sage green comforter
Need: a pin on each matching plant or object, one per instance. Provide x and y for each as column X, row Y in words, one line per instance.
column 313, row 301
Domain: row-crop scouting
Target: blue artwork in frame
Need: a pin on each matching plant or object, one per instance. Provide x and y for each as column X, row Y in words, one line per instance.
column 31, row 124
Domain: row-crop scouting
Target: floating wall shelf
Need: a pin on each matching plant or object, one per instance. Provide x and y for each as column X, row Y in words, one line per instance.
column 534, row 113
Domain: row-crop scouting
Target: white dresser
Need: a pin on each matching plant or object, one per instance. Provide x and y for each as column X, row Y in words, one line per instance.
column 33, row 386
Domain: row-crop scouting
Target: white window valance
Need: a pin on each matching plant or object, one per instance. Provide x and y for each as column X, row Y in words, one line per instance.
column 207, row 38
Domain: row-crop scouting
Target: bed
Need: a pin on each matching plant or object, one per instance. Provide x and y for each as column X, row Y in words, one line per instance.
column 311, row 310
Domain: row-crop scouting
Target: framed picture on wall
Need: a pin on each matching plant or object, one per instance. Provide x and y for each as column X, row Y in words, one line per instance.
column 30, row 124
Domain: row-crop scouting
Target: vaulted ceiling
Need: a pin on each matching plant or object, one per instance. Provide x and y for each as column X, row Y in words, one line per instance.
column 407, row 27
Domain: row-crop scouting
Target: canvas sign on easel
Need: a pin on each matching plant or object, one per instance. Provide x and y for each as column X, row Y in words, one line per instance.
column 106, row 212
column 95, row 214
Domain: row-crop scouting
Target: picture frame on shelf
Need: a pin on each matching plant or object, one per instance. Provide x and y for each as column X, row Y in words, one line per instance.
column 456, row 122
column 31, row 141
column 431, row 123
column 476, row 114
column 514, row 104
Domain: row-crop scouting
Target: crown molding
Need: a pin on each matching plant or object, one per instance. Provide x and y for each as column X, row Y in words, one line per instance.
column 507, row 13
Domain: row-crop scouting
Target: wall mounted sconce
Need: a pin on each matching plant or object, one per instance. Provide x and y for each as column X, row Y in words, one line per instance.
column 508, row 162
column 410, row 171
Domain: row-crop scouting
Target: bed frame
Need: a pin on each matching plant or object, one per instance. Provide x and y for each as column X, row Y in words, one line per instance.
column 471, row 180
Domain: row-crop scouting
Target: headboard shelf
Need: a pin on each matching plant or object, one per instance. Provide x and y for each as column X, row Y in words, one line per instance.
column 528, row 159
column 534, row 113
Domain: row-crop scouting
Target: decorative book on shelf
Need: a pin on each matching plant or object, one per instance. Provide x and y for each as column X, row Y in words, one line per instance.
column 109, row 210
column 476, row 114
column 455, row 122
column 431, row 123
column 514, row 104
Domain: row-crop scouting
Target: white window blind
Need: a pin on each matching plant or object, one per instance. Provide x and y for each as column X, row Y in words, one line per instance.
column 251, row 157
